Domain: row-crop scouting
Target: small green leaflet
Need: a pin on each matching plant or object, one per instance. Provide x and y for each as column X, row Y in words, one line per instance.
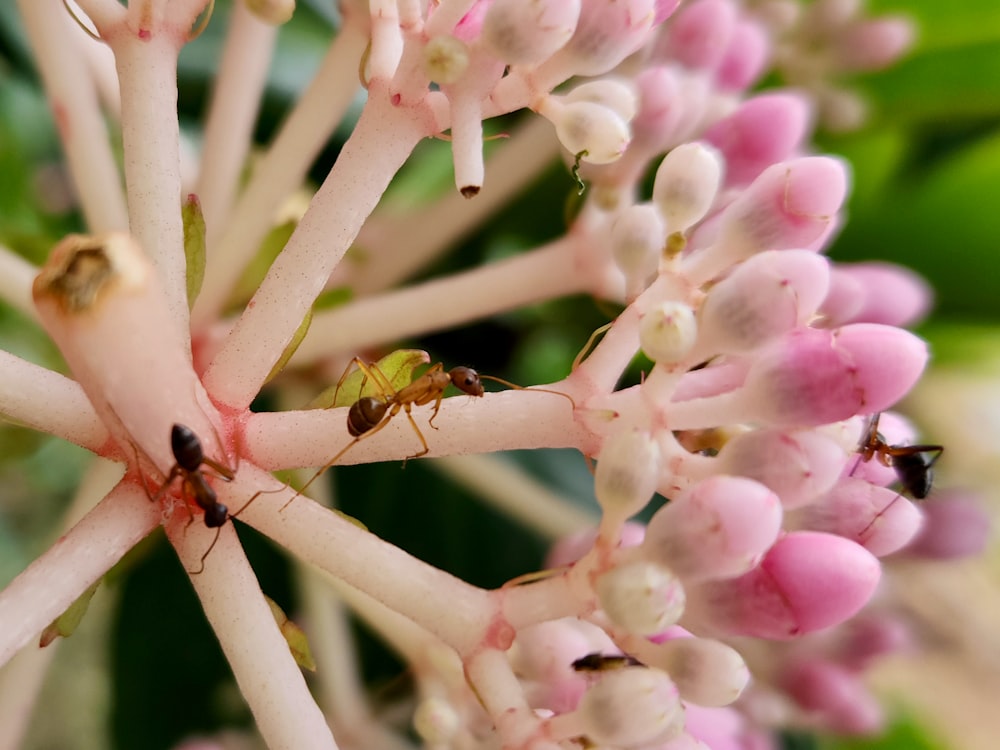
column 397, row 368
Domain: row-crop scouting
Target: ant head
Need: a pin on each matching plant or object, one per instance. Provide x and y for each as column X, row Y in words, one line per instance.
column 186, row 447
column 216, row 515
column 466, row 380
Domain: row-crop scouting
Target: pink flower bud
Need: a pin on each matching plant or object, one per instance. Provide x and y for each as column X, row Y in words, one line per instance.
column 571, row 548
column 719, row 529
column 814, row 377
column 699, row 35
column 629, row 707
column 746, row 58
column 764, row 298
column 876, row 293
column 607, row 33
column 718, row 728
column 641, row 597
column 763, row 131
column 526, row 32
column 660, row 108
column 808, row 581
column 870, row 636
column 840, row 698
column 956, row 525
column 880, row 520
column 628, row 471
column 797, row 466
column 686, row 184
column 875, row 44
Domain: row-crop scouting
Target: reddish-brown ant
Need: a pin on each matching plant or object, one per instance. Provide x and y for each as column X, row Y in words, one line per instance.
column 369, row 414
column 190, row 457
column 913, row 464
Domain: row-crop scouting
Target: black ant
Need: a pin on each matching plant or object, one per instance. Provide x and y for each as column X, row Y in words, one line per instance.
column 369, row 414
column 190, row 457
column 913, row 464
column 598, row 662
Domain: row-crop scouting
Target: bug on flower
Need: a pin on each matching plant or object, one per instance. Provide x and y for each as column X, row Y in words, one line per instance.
column 913, row 464
column 598, row 662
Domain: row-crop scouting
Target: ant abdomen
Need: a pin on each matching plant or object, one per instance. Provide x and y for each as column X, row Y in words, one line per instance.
column 186, row 447
column 365, row 414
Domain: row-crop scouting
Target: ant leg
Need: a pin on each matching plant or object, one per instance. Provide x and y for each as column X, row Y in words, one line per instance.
column 222, row 471
column 201, row 566
column 437, row 405
column 420, row 435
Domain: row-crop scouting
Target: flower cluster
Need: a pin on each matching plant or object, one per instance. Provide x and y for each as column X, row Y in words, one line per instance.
column 767, row 359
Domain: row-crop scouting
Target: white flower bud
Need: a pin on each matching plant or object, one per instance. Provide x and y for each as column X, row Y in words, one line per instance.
column 706, row 672
column 629, row 707
column 628, row 470
column 436, row 721
column 668, row 332
column 642, row 597
column 526, row 32
column 614, row 94
column 445, row 59
column 686, row 184
column 593, row 130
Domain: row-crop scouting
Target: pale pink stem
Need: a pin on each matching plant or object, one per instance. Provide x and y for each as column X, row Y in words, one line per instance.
column 383, row 138
column 509, row 420
column 282, row 168
column 550, row 272
column 103, row 13
column 16, row 277
column 398, row 245
column 264, row 669
column 58, row 49
column 52, row 582
column 48, row 402
column 239, row 85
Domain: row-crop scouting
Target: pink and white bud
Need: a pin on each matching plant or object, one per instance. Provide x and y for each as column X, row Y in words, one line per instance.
column 637, row 237
column 630, row 707
column 875, row 44
column 628, row 471
column 880, row 520
column 837, row 697
column 642, row 597
column 613, row 93
column 808, row 581
column 668, row 332
column 746, row 58
column 815, row 377
column 870, row 636
column 436, row 721
column 718, row 728
column 571, row 548
column 763, row 131
column 606, row 33
column 526, row 32
column 790, row 205
column 719, row 529
column 706, row 672
column 876, row 293
column 594, row 131
column 445, row 59
column 686, row 184
column 797, row 466
column 764, row 298
column 700, row 34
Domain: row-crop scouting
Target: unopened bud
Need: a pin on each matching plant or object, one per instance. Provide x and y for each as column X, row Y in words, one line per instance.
column 642, row 597
column 616, row 95
column 628, row 471
column 445, row 59
column 594, row 131
column 668, row 332
column 630, row 707
column 637, row 236
column 686, row 183
column 526, row 32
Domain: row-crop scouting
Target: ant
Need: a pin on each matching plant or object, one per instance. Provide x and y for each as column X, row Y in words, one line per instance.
column 369, row 414
column 190, row 457
column 913, row 464
column 598, row 662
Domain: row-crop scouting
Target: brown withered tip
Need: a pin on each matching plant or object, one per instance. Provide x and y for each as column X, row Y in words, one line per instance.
column 81, row 268
column 470, row 191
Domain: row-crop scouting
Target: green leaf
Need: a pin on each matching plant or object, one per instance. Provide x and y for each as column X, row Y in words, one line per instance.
column 294, row 636
column 194, row 245
column 396, row 368
column 66, row 624
column 300, row 333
